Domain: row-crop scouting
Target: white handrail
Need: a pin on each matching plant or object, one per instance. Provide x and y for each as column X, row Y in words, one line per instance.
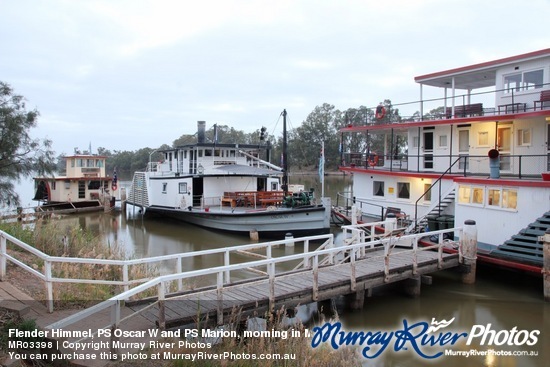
column 270, row 263
column 49, row 279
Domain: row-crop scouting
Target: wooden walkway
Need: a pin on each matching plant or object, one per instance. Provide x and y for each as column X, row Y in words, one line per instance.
column 252, row 297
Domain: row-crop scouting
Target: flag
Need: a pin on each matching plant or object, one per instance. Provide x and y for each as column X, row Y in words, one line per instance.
column 322, row 164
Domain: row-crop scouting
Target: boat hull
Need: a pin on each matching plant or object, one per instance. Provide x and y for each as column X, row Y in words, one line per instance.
column 268, row 223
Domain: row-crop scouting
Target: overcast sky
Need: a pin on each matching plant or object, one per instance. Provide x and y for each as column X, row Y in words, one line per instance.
column 131, row 74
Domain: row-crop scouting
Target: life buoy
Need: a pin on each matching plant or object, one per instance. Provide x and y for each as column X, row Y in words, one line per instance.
column 372, row 160
column 380, row 112
column 114, row 186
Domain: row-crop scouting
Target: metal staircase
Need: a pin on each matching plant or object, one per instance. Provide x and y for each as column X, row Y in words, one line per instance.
column 525, row 246
column 436, row 208
column 139, row 195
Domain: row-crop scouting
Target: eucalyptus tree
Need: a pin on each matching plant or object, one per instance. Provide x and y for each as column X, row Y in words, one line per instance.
column 20, row 155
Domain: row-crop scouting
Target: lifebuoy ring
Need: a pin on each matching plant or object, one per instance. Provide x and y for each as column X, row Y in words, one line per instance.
column 374, row 161
column 114, row 186
column 380, row 112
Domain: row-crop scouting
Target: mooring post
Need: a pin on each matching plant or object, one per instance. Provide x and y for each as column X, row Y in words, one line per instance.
column 123, row 199
column 546, row 264
column 468, row 246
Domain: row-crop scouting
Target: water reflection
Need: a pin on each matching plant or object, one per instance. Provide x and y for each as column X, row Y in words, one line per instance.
column 503, row 299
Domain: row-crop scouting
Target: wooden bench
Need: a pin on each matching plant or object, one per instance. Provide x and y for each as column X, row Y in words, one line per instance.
column 229, row 198
column 544, row 97
column 474, row 109
column 266, row 198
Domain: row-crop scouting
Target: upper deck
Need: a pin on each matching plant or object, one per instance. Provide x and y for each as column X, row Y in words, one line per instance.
column 502, row 104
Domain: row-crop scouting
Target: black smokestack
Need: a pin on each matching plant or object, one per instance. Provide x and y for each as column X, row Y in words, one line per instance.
column 201, row 131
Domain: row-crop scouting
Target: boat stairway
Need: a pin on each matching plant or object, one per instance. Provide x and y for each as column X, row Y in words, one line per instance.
column 526, row 246
column 436, row 210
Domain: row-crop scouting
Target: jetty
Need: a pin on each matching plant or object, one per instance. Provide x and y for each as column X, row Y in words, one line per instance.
column 257, row 279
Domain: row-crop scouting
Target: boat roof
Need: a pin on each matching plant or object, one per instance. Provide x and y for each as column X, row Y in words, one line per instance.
column 476, row 76
column 217, row 145
column 240, row 169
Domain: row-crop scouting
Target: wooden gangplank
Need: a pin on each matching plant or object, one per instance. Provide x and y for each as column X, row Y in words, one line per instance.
column 252, row 297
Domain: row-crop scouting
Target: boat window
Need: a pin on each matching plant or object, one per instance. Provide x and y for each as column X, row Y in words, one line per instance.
column 72, row 162
column 523, row 81
column 94, row 185
column 217, row 153
column 378, row 188
column 53, row 184
column 524, row 137
column 232, row 153
column 477, row 195
column 509, row 198
column 79, row 162
column 183, row 187
column 443, row 141
column 199, row 153
column 483, row 139
column 493, row 197
column 90, row 163
column 464, row 194
column 207, row 153
column 403, row 190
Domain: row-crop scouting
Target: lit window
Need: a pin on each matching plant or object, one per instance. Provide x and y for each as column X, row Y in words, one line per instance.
column 403, row 190
column 378, row 188
column 509, row 198
column 464, row 194
column 493, row 197
column 524, row 137
column 477, row 195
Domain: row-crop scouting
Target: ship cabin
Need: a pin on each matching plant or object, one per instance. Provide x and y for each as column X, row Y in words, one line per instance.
column 207, row 173
column 476, row 146
column 84, row 181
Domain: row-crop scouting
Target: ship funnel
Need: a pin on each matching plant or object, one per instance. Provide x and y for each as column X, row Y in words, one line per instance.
column 201, row 131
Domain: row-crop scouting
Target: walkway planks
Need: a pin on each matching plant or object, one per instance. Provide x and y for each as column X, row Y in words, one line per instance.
column 251, row 297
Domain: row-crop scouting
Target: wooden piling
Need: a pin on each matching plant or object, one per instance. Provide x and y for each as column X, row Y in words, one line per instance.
column 356, row 300
column 411, row 286
column 123, row 199
column 546, row 264
column 468, row 245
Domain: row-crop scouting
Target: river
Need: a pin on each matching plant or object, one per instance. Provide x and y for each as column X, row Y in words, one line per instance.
column 500, row 300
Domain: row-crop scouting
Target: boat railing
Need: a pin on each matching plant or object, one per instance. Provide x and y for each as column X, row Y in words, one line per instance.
column 485, row 103
column 228, row 256
column 275, row 267
column 521, row 166
column 345, row 202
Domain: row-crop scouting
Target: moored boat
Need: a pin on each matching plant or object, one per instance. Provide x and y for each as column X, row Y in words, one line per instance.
column 480, row 154
column 231, row 187
column 84, row 187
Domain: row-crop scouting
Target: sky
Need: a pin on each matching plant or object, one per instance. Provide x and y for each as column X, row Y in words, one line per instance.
column 130, row 74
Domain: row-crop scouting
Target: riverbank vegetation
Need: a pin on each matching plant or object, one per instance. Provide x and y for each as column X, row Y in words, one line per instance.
column 54, row 238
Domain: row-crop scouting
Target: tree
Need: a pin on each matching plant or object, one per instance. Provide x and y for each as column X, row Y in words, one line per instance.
column 20, row 155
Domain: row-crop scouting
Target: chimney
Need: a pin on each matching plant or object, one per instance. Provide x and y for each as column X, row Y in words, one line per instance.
column 201, row 131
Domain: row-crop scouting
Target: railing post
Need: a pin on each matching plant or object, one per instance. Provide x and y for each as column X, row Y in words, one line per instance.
column 226, row 262
column 49, row 286
column 306, row 251
column 3, row 259
column 353, row 280
column 161, row 301
column 271, row 274
column 468, row 248
column 179, row 270
column 315, row 295
column 115, row 320
column 219, row 291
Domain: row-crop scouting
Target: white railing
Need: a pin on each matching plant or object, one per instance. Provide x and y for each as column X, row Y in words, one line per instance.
column 223, row 254
column 310, row 262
